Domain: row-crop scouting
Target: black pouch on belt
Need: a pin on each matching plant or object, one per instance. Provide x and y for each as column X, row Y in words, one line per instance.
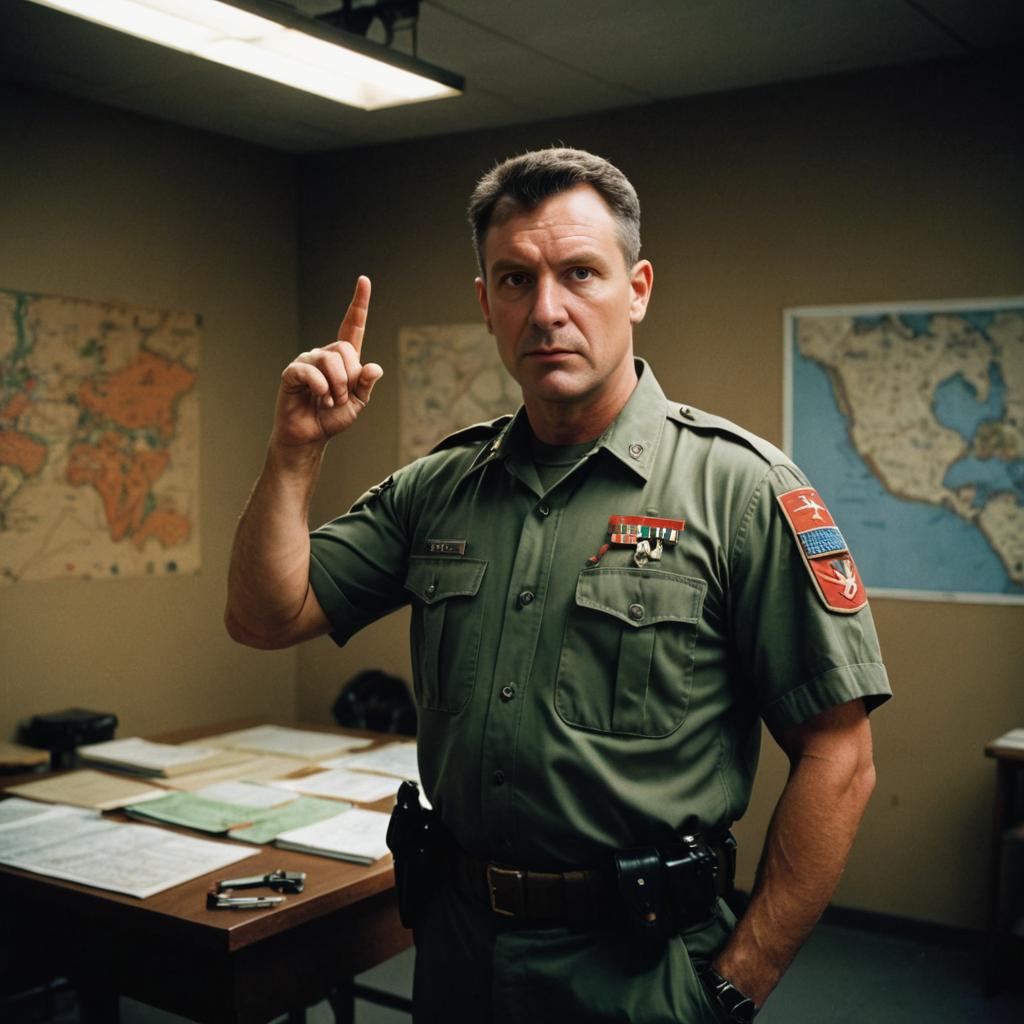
column 664, row 891
column 642, row 887
column 414, row 838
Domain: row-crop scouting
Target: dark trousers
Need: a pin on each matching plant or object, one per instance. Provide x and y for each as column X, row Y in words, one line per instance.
column 474, row 966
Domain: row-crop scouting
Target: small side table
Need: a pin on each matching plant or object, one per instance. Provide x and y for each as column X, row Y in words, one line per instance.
column 1005, row 921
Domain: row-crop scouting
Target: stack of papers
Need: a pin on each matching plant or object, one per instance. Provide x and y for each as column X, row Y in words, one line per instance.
column 87, row 788
column 246, row 794
column 255, row 768
column 356, row 835
column 143, row 757
column 342, row 784
column 14, row 755
column 1013, row 738
column 301, row 743
column 238, row 821
column 80, row 846
column 395, row 759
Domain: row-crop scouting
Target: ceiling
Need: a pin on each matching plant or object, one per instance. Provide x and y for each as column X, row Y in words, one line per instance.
column 523, row 60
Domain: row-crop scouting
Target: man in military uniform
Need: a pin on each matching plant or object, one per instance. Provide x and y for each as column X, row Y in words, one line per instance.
column 610, row 591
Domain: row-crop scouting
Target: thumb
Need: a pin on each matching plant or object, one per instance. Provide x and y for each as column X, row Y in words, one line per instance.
column 368, row 376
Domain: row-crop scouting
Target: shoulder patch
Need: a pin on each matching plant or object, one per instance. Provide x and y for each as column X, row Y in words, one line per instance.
column 475, row 432
column 824, row 551
column 705, row 422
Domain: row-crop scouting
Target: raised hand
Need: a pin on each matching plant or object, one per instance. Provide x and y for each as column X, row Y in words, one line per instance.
column 323, row 391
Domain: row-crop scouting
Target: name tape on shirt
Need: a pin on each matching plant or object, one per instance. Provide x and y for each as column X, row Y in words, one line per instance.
column 824, row 551
column 444, row 546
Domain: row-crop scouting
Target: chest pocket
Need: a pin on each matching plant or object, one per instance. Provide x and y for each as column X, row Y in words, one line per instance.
column 627, row 654
column 446, row 620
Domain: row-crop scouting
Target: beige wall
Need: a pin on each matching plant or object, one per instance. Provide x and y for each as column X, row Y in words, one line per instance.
column 896, row 185
column 101, row 205
column 890, row 186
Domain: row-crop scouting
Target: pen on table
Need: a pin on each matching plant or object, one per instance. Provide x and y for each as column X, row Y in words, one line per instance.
column 224, row 901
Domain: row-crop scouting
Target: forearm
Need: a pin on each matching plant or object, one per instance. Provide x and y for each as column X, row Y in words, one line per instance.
column 269, row 598
column 807, row 846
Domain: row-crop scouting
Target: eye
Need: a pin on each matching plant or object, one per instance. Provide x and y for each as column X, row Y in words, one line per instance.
column 581, row 273
column 515, row 279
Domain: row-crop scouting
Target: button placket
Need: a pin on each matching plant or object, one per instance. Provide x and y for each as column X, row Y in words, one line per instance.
column 527, row 592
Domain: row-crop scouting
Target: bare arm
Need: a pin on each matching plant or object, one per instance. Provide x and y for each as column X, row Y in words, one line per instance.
column 322, row 392
column 831, row 779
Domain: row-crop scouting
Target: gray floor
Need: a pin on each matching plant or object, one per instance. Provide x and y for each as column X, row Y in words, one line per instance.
column 842, row 975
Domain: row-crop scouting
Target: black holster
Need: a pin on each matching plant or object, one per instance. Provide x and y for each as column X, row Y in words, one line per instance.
column 416, row 840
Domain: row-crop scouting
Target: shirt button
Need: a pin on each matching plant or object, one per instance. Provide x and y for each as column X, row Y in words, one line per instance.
column 544, row 510
column 508, row 692
column 636, row 612
column 431, row 590
column 526, row 597
column 498, row 778
column 685, row 410
column 636, row 450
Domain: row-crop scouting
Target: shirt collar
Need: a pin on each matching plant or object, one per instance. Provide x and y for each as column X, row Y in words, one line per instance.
column 632, row 437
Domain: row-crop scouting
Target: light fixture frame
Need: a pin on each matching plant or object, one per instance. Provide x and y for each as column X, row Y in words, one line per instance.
column 289, row 18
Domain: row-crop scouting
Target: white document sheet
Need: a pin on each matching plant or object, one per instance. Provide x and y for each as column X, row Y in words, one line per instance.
column 342, row 784
column 17, row 812
column 397, row 759
column 81, row 846
column 277, row 739
column 247, row 794
column 137, row 752
column 357, row 835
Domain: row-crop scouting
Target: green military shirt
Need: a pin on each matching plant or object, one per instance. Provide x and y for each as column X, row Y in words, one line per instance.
column 568, row 704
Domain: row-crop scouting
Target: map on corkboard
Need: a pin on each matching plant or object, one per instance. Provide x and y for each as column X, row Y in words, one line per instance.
column 99, row 439
column 451, row 377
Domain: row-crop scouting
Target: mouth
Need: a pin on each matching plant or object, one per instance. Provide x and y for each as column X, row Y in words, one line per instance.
column 545, row 355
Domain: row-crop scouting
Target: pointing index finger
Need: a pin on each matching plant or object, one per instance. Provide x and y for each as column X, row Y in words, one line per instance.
column 354, row 324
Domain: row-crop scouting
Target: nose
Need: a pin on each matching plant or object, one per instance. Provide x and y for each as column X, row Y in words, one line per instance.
column 548, row 311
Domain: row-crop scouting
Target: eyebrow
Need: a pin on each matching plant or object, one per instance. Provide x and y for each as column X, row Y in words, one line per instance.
column 580, row 258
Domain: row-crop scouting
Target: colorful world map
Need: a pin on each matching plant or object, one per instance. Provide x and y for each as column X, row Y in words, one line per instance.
column 909, row 420
column 99, row 439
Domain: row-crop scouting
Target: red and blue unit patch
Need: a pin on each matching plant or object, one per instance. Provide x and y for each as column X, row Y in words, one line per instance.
column 824, row 551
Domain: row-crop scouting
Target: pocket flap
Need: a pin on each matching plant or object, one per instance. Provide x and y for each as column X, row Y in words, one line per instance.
column 436, row 579
column 641, row 597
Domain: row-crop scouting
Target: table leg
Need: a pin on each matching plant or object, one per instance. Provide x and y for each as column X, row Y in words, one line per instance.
column 343, row 1001
column 1001, row 814
column 98, row 1003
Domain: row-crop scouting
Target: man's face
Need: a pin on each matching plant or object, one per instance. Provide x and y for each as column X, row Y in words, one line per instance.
column 561, row 302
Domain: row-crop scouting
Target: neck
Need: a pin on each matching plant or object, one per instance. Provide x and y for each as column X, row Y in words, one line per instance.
column 562, row 423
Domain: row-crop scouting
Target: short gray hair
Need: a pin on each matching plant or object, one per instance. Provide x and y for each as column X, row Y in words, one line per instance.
column 521, row 183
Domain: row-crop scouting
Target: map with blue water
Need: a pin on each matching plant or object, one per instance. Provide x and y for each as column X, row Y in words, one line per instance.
column 909, row 421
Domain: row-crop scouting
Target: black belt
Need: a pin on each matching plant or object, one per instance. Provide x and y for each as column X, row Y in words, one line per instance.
column 587, row 896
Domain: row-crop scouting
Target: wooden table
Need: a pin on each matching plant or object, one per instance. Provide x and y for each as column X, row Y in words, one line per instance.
column 221, row 966
column 1003, row 921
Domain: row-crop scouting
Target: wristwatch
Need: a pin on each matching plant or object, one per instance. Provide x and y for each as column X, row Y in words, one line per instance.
column 732, row 1004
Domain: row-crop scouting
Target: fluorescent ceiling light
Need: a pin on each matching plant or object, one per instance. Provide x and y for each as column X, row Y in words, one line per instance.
column 275, row 43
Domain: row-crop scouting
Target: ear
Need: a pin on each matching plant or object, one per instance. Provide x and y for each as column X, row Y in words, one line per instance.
column 641, row 281
column 481, row 297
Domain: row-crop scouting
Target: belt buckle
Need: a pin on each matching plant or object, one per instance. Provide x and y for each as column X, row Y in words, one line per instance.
column 507, row 887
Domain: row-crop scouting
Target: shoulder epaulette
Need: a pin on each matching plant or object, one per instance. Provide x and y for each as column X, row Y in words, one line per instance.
column 705, row 422
column 475, row 432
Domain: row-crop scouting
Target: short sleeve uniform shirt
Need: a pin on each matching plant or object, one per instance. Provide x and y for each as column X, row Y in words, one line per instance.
column 570, row 701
